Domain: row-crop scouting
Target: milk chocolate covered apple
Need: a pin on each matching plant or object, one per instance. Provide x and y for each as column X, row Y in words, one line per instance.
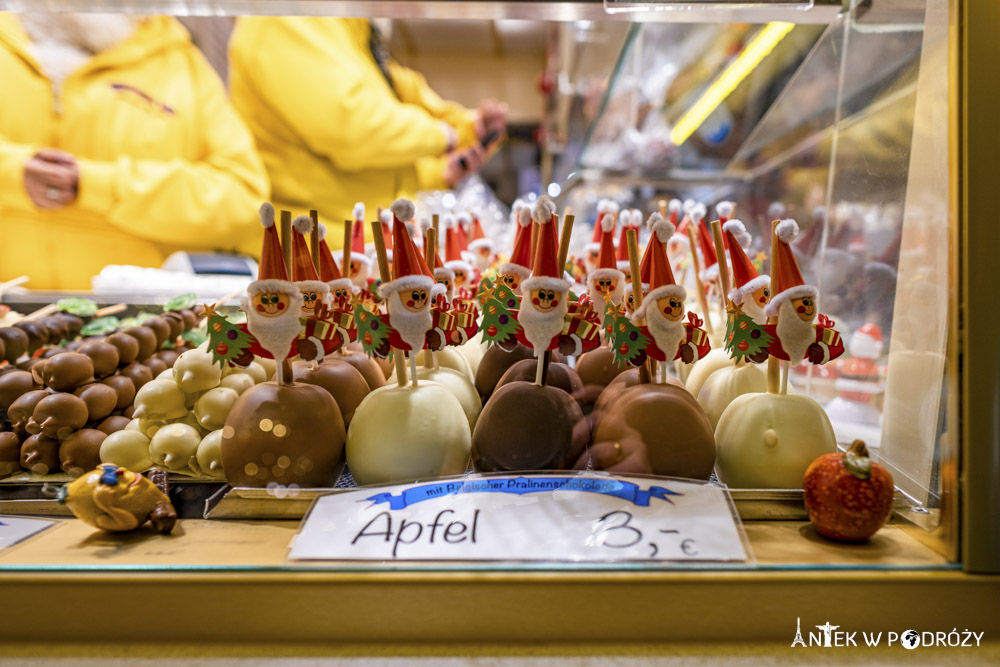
column 629, row 378
column 155, row 365
column 525, row 426
column 597, row 367
column 15, row 343
column 668, row 420
column 57, row 416
column 368, row 368
column 127, row 448
column 558, row 375
column 495, row 363
column 14, row 384
column 344, row 382
column 40, row 454
column 10, row 453
column 58, row 329
column 81, row 451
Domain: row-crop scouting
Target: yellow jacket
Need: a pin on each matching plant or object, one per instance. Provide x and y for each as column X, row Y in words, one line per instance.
column 165, row 163
column 330, row 129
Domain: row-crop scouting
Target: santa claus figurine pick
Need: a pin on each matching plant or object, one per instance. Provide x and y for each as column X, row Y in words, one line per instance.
column 360, row 263
column 274, row 303
column 750, row 291
column 454, row 258
column 793, row 302
column 340, row 287
column 480, row 247
column 546, row 293
column 606, row 208
column 442, row 274
column 630, row 219
column 315, row 292
column 606, row 282
column 386, row 219
column 518, row 267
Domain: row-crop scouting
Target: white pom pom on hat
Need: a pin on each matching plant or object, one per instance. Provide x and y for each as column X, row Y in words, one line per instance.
column 386, row 216
column 303, row 224
column 464, row 218
column 739, row 232
column 652, row 220
column 787, row 230
column 608, row 222
column 544, row 210
column 524, row 216
column 775, row 210
column 322, row 232
column 725, row 209
column 403, row 209
column 448, row 220
column 663, row 229
column 266, row 213
column 698, row 212
column 359, row 211
column 674, row 206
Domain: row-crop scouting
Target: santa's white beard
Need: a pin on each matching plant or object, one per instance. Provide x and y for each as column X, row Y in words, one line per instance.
column 481, row 263
column 795, row 335
column 597, row 296
column 753, row 310
column 411, row 326
column 667, row 334
column 539, row 327
column 361, row 280
column 275, row 334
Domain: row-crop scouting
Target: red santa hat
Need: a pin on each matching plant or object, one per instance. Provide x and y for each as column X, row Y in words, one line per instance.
column 788, row 283
column 520, row 257
column 674, row 208
column 606, row 209
column 358, row 236
column 645, row 264
column 661, row 278
column 385, row 217
column 304, row 272
column 440, row 271
column 454, row 251
column 409, row 270
column 329, row 272
column 866, row 343
column 272, row 276
column 545, row 272
column 477, row 239
column 606, row 265
column 464, row 220
column 710, row 263
column 631, row 219
column 745, row 277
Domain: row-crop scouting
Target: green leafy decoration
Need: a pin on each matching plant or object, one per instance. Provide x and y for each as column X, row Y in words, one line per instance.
column 77, row 306
column 180, row 302
column 101, row 326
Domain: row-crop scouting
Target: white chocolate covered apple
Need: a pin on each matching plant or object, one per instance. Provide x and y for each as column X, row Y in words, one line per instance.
column 459, row 386
column 700, row 370
column 725, row 384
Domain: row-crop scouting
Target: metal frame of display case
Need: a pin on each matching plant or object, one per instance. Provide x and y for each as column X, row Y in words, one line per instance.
column 492, row 607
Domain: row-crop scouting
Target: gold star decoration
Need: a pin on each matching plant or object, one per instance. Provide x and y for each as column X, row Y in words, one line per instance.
column 209, row 311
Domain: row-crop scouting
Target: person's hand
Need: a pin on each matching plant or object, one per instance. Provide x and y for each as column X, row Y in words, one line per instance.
column 463, row 163
column 450, row 135
column 51, row 179
column 491, row 117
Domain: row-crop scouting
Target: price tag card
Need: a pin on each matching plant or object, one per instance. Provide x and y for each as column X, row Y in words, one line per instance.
column 575, row 517
column 13, row 529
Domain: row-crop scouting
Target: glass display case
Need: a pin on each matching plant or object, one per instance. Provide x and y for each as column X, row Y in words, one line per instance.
column 865, row 124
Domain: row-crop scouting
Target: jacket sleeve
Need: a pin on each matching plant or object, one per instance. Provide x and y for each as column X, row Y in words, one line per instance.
column 12, row 158
column 336, row 103
column 412, row 88
column 209, row 202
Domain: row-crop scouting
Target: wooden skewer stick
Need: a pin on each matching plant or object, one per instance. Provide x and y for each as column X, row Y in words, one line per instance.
column 44, row 311
column 314, row 238
column 436, row 225
column 535, row 228
column 20, row 280
column 430, row 245
column 286, row 240
column 773, row 365
column 567, row 232
column 632, row 238
column 345, row 264
column 724, row 278
column 662, row 208
column 398, row 356
column 110, row 310
column 698, row 285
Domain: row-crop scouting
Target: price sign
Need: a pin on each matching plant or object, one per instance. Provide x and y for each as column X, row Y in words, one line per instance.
column 13, row 529
column 587, row 517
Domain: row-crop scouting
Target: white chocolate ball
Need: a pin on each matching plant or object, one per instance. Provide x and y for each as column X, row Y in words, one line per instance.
column 149, row 427
column 700, row 370
column 767, row 441
column 266, row 365
column 212, row 409
column 128, row 449
column 459, row 386
column 194, row 371
column 473, row 351
column 159, row 399
column 134, row 425
column 238, row 382
column 449, row 357
column 400, row 434
column 726, row 384
column 174, row 446
column 166, row 374
column 209, row 455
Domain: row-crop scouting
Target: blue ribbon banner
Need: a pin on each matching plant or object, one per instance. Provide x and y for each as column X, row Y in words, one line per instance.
column 522, row 485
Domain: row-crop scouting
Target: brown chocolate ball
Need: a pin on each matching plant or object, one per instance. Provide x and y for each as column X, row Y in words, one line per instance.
column 127, row 347
column 57, row 416
column 13, row 384
column 598, row 367
column 287, row 434
column 160, row 328
column 38, row 333
column 344, row 382
column 40, row 454
column 58, row 329
column 23, row 407
column 138, row 373
column 559, row 375
column 155, row 365
column 113, row 424
column 81, row 452
column 10, row 453
column 15, row 343
column 66, row 372
column 494, row 364
column 100, row 399
column 175, row 322
column 168, row 357
column 367, row 366
column 190, row 319
column 104, row 356
column 124, row 390
column 54, row 351
column 669, row 421
column 129, row 411
column 73, row 345
column 629, row 378
column 3, row 350
column 27, row 363
column 528, row 427
column 74, row 323
column 146, row 339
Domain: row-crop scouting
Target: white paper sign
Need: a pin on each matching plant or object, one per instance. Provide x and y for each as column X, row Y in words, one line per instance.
column 13, row 529
column 587, row 517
